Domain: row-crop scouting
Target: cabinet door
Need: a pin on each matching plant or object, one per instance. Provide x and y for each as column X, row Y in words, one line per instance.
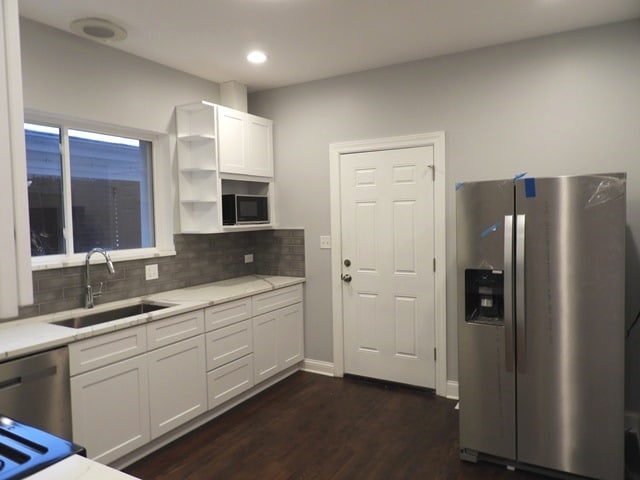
column 278, row 341
column 290, row 336
column 259, row 146
column 110, row 409
column 265, row 346
column 177, row 384
column 231, row 140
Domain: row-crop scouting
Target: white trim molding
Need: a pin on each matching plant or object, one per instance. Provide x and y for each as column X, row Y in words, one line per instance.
column 318, row 366
column 16, row 283
column 452, row 390
column 437, row 140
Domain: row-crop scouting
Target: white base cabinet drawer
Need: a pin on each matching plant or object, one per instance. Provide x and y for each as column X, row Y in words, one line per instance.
column 231, row 379
column 229, row 343
column 110, row 409
column 106, row 349
column 176, row 328
column 177, row 385
column 269, row 301
column 227, row 313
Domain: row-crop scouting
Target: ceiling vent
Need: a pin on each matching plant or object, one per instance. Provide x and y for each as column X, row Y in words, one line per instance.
column 98, row 29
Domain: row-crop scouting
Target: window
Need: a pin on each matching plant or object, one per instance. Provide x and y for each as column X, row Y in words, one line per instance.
column 88, row 189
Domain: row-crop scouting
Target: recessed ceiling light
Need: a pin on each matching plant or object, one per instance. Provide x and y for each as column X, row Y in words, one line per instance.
column 257, row 57
column 98, row 29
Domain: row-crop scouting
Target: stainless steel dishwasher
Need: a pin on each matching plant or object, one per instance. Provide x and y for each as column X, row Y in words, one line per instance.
column 35, row 390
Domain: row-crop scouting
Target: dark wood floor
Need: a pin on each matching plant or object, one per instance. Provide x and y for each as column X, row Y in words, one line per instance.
column 315, row 427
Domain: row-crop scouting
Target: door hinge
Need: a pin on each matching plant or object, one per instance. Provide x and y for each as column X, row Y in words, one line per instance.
column 435, row 355
column 433, row 172
column 434, row 264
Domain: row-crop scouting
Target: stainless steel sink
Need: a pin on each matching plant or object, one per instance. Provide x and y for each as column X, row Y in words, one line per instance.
column 109, row 315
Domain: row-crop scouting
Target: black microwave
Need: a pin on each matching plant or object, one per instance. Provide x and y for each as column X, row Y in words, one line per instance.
column 244, row 209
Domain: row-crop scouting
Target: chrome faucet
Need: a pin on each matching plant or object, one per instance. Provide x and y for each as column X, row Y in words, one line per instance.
column 87, row 274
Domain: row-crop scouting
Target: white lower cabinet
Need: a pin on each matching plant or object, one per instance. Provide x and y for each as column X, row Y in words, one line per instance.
column 110, row 409
column 134, row 385
column 279, row 341
column 177, row 388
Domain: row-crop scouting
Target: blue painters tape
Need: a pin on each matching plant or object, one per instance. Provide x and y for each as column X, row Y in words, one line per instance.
column 458, row 185
column 519, row 176
column 491, row 229
column 530, row 187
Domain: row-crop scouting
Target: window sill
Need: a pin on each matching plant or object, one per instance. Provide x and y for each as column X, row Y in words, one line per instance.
column 76, row 260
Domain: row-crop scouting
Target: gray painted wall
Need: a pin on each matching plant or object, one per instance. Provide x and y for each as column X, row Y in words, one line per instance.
column 65, row 74
column 563, row 104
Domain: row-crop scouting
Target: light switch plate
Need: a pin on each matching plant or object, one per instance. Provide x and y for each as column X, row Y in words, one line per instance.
column 151, row 272
column 248, row 258
column 325, row 241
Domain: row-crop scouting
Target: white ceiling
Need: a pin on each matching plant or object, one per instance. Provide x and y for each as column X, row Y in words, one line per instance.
column 312, row 39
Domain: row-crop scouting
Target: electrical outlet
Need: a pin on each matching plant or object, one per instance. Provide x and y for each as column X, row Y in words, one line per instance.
column 325, row 241
column 248, row 258
column 151, row 272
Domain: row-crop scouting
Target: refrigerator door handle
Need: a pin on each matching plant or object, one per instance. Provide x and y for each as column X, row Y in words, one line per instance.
column 521, row 324
column 508, row 293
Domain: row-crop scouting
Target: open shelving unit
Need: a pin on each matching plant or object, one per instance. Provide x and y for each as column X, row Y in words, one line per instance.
column 198, row 182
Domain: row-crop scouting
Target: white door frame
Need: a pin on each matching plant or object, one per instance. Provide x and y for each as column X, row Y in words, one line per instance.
column 435, row 139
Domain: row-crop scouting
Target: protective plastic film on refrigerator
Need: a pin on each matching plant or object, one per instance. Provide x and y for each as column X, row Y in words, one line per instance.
column 541, row 323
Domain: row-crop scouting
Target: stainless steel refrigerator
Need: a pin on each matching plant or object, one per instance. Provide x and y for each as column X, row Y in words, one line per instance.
column 541, row 323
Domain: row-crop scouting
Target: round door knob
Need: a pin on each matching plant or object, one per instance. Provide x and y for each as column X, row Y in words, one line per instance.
column 346, row 277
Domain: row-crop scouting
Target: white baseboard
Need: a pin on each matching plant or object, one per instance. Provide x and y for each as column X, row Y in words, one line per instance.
column 452, row 390
column 327, row 368
column 318, row 366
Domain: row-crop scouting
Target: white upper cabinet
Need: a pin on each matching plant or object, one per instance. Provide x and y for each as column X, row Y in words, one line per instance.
column 245, row 143
column 220, row 151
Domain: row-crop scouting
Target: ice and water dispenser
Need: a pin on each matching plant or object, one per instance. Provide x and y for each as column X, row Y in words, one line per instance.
column 484, row 296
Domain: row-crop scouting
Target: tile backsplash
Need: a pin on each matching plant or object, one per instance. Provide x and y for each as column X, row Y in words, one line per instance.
column 199, row 259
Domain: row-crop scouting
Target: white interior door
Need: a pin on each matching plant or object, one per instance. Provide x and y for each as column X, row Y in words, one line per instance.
column 387, row 216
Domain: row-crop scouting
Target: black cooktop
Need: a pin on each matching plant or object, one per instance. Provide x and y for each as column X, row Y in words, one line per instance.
column 24, row 449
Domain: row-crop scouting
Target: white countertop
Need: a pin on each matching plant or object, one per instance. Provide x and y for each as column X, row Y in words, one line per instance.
column 30, row 335
column 76, row 467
